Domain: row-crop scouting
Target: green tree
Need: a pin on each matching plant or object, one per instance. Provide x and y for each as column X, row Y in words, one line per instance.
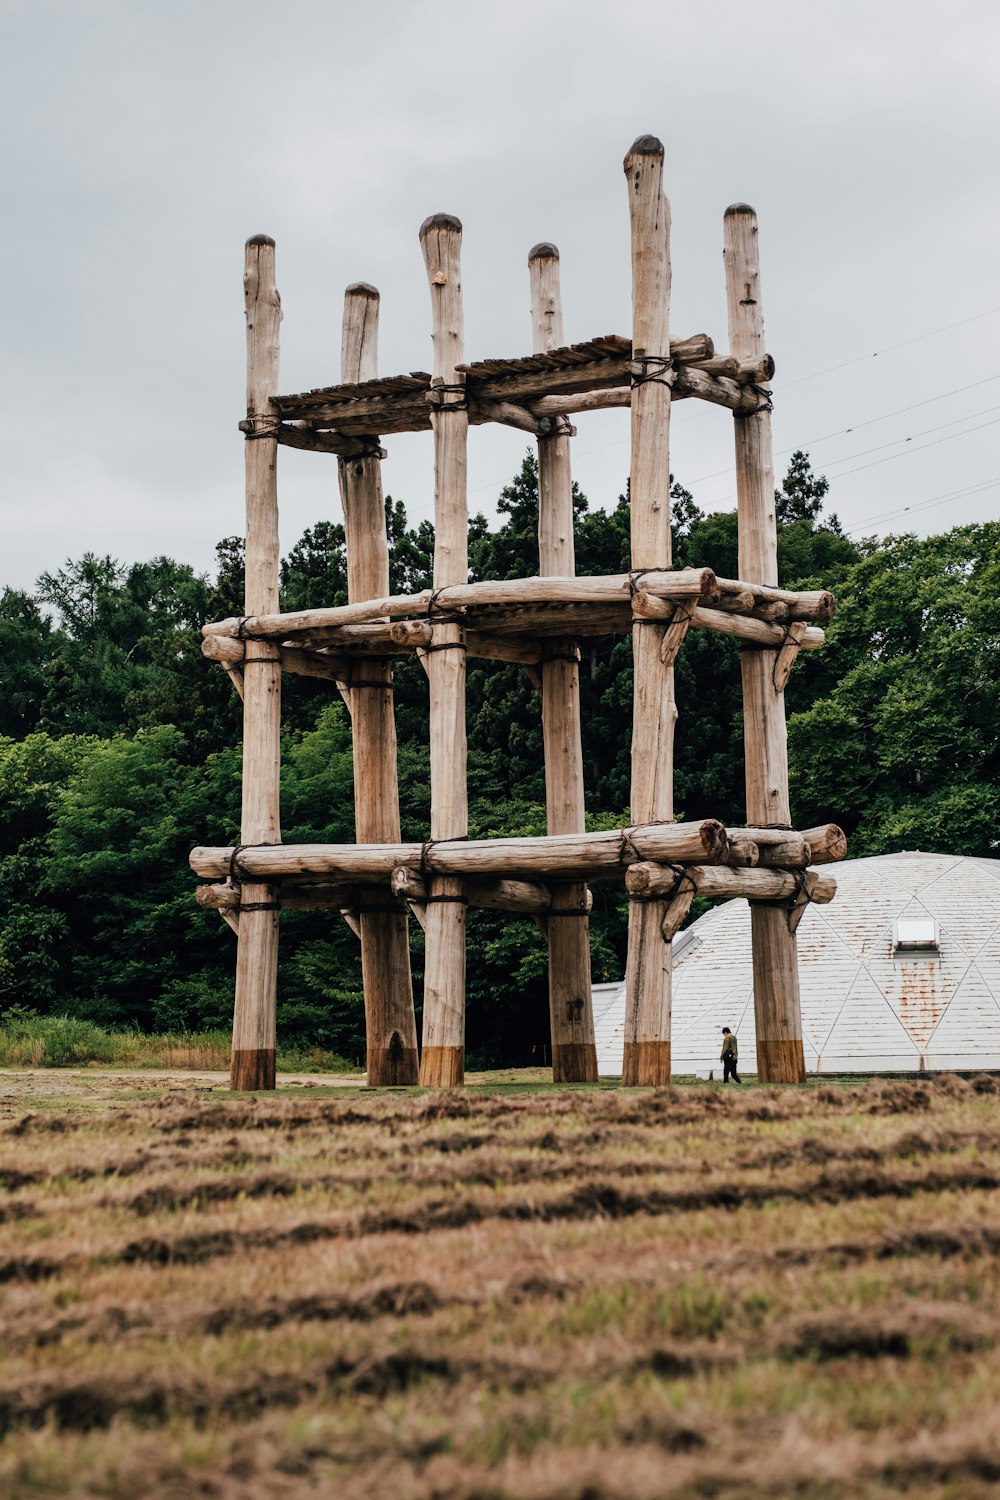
column 902, row 745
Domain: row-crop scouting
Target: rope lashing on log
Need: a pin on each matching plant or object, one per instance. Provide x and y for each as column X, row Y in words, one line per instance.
column 444, row 900
column 439, row 396
column 633, row 577
column 683, row 882
column 627, row 850
column 800, row 895
column 645, row 369
column 238, row 876
column 444, row 616
column 444, row 646
column 235, row 873
column 765, row 399
column 254, row 428
column 259, row 906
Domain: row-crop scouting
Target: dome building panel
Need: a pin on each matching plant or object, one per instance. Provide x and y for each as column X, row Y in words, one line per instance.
column 868, row 1037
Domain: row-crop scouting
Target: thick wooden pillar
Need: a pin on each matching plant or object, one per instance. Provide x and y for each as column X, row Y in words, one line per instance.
column 390, row 1026
column 442, row 1063
column 775, row 966
column 648, row 969
column 252, row 1065
column 571, row 1010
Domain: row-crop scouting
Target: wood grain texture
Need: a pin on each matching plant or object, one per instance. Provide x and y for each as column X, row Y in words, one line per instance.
column 775, row 966
column 390, row 1023
column 698, row 584
column 648, row 966
column 646, row 878
column 443, row 1060
column 257, row 946
column 576, row 856
column 571, row 1010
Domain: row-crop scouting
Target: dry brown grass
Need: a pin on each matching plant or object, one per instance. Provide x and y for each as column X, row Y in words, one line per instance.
column 575, row 1295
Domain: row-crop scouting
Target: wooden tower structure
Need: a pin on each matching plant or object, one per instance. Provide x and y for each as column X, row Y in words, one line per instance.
column 376, row 882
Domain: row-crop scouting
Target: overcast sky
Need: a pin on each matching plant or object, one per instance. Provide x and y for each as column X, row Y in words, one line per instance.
column 145, row 141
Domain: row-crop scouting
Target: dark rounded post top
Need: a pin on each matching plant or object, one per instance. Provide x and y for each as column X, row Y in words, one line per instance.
column 362, row 289
column 261, row 239
column 544, row 250
column 645, row 145
column 440, row 221
column 739, row 208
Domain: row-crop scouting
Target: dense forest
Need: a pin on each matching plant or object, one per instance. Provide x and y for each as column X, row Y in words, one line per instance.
column 119, row 750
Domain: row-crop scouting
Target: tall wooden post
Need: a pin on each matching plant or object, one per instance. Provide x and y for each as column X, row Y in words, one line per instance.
column 571, row 1011
column 648, row 969
column 252, row 1065
column 442, row 1062
column 775, row 966
column 385, row 955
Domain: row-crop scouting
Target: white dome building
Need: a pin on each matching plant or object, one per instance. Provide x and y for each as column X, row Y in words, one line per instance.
column 900, row 972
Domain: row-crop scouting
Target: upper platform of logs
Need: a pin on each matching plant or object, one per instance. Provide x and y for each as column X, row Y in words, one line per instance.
column 531, row 393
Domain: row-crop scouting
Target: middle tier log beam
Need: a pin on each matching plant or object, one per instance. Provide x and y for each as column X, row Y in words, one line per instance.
column 571, row 856
column 699, row 586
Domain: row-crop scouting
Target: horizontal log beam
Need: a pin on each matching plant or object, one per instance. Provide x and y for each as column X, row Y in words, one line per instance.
column 577, row 856
column 743, row 627
column 743, row 852
column 230, row 652
column 827, row 843
column 808, row 604
column 649, row 880
column 531, row 897
column 311, row 897
column 688, row 583
column 510, row 415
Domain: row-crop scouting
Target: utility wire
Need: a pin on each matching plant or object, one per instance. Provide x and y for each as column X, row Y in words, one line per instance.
column 809, row 443
column 906, row 451
column 889, row 348
column 920, row 449
column 831, row 463
column 888, row 515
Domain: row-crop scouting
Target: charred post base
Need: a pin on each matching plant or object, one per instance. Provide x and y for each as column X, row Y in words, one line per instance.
column 781, row 1061
column 252, row 1069
column 393, row 1067
column 574, row 1062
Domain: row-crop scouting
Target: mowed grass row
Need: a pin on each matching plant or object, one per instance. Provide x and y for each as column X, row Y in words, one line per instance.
column 565, row 1294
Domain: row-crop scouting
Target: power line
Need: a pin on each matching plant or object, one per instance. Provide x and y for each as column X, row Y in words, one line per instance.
column 888, row 515
column 923, row 432
column 907, row 451
column 889, row 348
column 810, row 443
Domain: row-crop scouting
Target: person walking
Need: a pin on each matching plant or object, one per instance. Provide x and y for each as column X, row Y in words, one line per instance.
column 730, row 1054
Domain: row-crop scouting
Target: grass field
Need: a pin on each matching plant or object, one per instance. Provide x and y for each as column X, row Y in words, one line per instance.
column 500, row 1293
